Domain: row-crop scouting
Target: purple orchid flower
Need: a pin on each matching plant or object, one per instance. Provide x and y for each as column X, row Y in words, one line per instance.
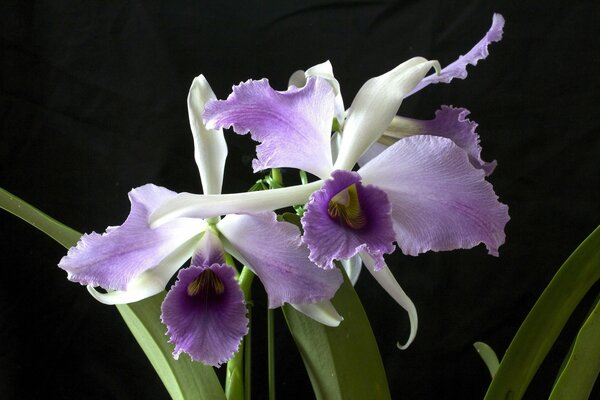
column 425, row 192
column 204, row 311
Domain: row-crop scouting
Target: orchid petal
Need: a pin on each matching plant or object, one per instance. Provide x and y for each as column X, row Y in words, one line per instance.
column 449, row 122
column 209, row 324
column 209, row 250
column 374, row 108
column 152, row 281
column 387, row 281
column 210, row 149
column 332, row 239
column 325, row 71
column 274, row 251
column 323, row 312
column 114, row 259
column 439, row 200
column 458, row 69
column 293, row 126
column 352, row 266
column 206, row 206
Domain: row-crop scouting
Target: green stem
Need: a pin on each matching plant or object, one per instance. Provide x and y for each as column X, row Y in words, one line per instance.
column 276, row 178
column 248, row 358
column 271, row 352
column 303, row 177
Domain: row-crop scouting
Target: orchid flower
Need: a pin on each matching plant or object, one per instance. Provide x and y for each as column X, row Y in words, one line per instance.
column 424, row 192
column 204, row 311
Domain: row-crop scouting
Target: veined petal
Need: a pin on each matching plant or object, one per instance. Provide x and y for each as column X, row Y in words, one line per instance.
column 210, row 149
column 293, row 126
column 458, row 69
column 209, row 250
column 439, row 200
column 325, row 71
column 207, row 206
column 276, row 254
column 112, row 260
column 374, row 108
column 330, row 237
column 206, row 318
column 449, row 122
column 152, row 281
column 323, row 312
column 387, row 281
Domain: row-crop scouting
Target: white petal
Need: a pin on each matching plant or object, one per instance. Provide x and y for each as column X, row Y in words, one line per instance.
column 325, row 70
column 206, row 206
column 374, row 108
column 387, row 281
column 323, row 312
column 210, row 149
column 352, row 266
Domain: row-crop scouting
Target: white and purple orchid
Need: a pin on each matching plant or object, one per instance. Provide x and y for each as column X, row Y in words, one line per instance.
column 426, row 191
column 204, row 311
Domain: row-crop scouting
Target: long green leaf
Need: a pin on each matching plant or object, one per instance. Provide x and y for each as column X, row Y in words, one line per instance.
column 488, row 355
column 545, row 320
column 342, row 362
column 182, row 378
column 580, row 372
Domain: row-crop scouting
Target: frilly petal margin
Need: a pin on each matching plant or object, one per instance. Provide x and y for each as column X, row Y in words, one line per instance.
column 449, row 122
column 329, row 239
column 208, row 328
column 458, row 69
column 274, row 251
column 374, row 107
column 439, row 200
column 293, row 127
column 112, row 260
column 387, row 281
column 210, row 149
column 207, row 206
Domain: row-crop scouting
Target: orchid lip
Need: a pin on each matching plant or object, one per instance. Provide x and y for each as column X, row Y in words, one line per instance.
column 345, row 207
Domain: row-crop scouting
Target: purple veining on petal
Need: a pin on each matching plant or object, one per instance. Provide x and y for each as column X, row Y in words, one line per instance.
column 113, row 259
column 449, row 122
column 294, row 127
column 458, row 69
column 439, row 200
column 275, row 252
column 330, row 239
column 208, row 324
column 209, row 250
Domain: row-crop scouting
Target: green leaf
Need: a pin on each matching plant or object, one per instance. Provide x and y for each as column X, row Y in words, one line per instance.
column 183, row 378
column 580, row 372
column 342, row 362
column 546, row 319
column 488, row 356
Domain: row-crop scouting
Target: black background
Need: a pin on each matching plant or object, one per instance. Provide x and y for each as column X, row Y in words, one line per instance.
column 92, row 103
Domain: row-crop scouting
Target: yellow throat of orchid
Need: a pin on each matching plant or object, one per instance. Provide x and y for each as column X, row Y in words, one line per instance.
column 345, row 206
column 207, row 282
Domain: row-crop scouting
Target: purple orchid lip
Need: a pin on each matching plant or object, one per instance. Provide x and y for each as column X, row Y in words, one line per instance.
column 345, row 217
column 205, row 314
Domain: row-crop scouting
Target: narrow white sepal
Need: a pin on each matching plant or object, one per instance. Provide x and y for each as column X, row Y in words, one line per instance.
column 374, row 107
column 325, row 70
column 323, row 312
column 210, row 149
column 352, row 266
column 387, row 281
column 206, row 206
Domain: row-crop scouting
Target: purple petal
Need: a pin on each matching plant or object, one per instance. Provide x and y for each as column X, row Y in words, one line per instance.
column 439, row 200
column 208, row 325
column 209, row 250
column 458, row 69
column 293, row 127
column 275, row 252
column 113, row 259
column 330, row 239
column 449, row 122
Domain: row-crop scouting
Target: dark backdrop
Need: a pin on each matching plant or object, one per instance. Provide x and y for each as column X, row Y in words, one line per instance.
column 92, row 103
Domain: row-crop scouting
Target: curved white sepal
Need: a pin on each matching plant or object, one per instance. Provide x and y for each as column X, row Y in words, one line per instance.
column 387, row 281
column 207, row 206
column 323, row 312
column 210, row 149
column 374, row 107
column 297, row 79
column 352, row 266
column 325, row 70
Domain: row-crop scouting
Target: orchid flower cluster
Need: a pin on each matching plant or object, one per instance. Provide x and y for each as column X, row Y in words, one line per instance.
column 419, row 186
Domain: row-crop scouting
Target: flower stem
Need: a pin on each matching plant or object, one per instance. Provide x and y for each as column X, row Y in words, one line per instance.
column 271, row 352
